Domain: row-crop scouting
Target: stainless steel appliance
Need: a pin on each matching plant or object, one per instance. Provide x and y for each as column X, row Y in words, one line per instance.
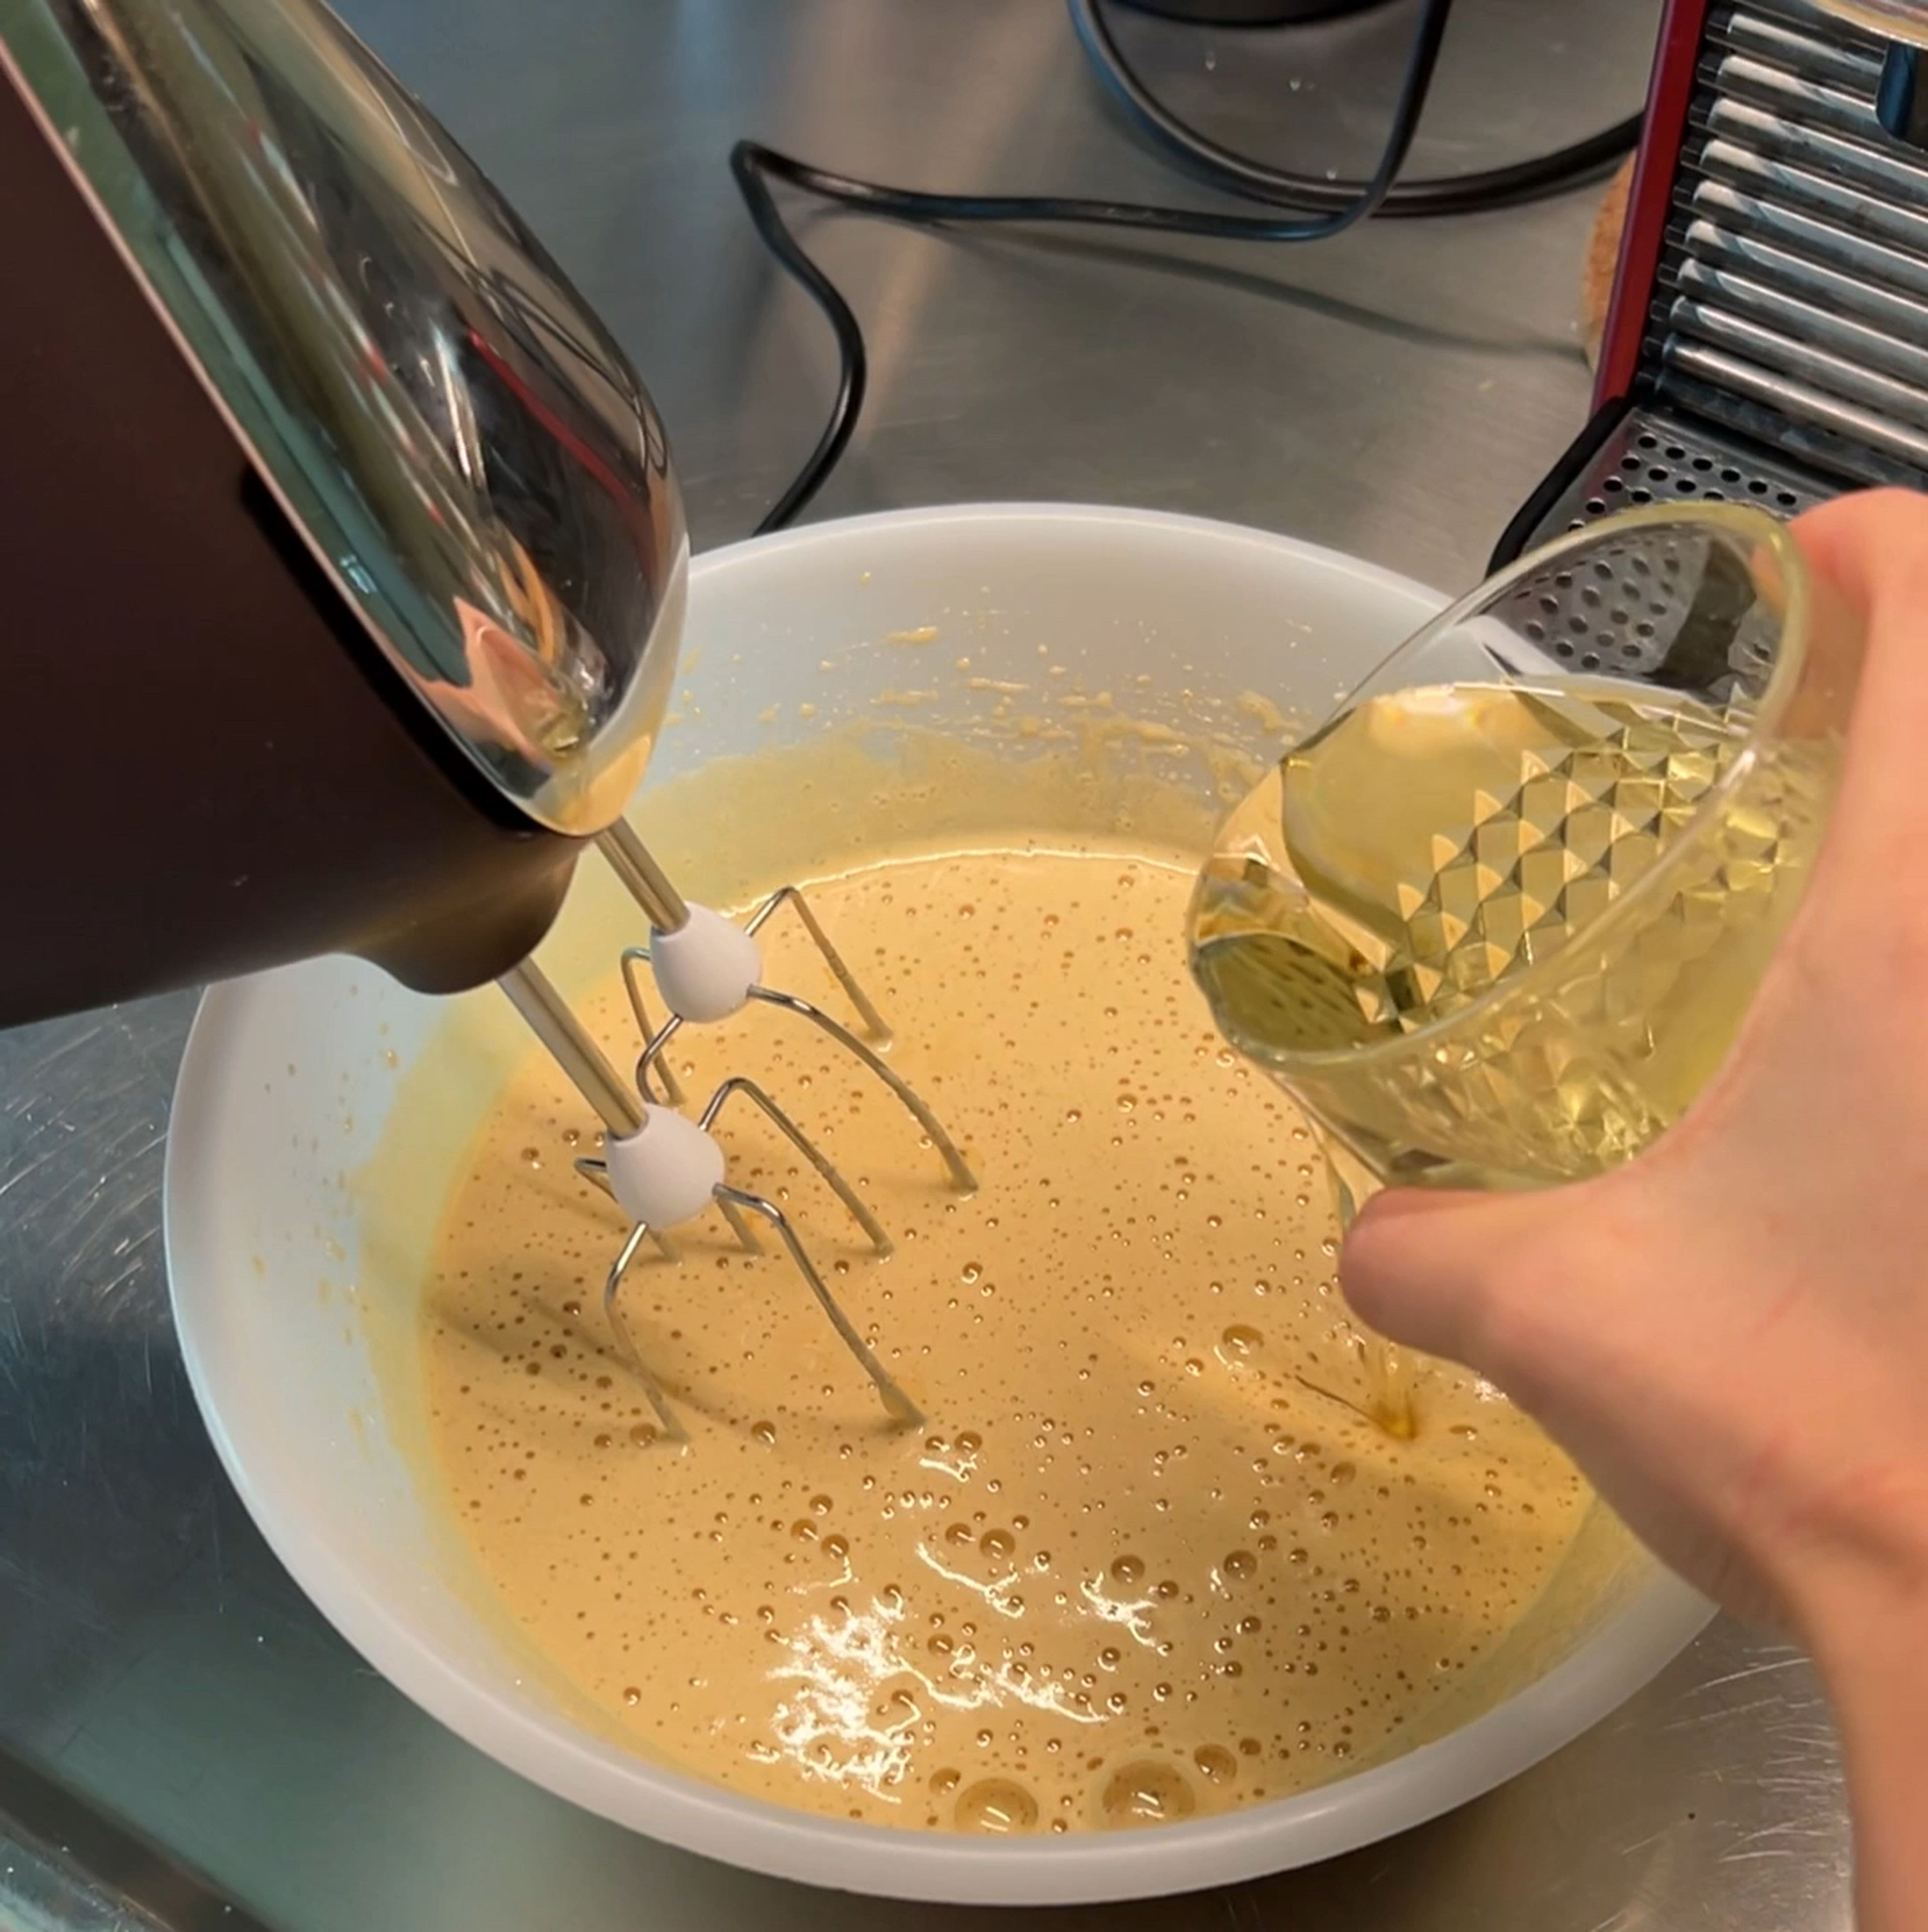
column 1767, row 340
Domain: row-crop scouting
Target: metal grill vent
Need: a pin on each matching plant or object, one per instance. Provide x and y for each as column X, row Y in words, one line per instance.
column 1787, row 355
column 1792, row 306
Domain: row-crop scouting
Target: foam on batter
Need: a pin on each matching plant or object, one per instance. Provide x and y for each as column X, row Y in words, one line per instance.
column 1147, row 1561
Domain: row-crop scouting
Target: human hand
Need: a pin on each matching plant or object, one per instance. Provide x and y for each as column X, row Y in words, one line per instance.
column 1730, row 1334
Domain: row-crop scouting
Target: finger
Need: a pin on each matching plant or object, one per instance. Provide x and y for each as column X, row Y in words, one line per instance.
column 1872, row 550
column 1431, row 1270
column 1871, row 545
column 1869, row 553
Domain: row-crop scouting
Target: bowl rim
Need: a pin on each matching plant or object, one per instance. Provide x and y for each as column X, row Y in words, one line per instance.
column 548, row 1749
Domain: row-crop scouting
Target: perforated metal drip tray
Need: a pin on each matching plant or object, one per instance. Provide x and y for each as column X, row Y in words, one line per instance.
column 1650, row 456
column 1674, row 603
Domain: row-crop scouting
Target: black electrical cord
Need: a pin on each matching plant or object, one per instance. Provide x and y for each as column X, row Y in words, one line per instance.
column 1334, row 207
column 754, row 166
column 1238, row 174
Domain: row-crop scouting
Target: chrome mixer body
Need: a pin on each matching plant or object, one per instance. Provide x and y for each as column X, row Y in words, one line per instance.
column 399, row 573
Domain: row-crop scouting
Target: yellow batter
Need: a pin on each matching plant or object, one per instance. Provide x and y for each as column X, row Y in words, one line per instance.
column 1146, row 1560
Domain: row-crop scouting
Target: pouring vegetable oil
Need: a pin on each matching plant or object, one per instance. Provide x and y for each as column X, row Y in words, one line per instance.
column 1493, row 935
column 1476, row 862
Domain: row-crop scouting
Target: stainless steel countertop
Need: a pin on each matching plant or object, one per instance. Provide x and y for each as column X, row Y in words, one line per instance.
column 1395, row 394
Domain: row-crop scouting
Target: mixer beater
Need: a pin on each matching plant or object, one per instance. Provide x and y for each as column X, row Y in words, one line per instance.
column 662, row 1168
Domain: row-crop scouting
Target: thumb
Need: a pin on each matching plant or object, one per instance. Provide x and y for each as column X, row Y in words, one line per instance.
column 1430, row 1270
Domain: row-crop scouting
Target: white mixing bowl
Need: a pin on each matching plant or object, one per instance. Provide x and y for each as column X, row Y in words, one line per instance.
column 294, row 1255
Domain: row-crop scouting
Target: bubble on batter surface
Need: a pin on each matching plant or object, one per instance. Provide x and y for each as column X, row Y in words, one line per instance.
column 1104, row 1572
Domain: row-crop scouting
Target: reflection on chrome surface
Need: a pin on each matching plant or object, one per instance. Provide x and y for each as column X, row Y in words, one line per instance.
column 468, row 451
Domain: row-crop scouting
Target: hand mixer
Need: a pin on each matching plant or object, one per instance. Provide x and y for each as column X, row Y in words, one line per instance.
column 346, row 572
